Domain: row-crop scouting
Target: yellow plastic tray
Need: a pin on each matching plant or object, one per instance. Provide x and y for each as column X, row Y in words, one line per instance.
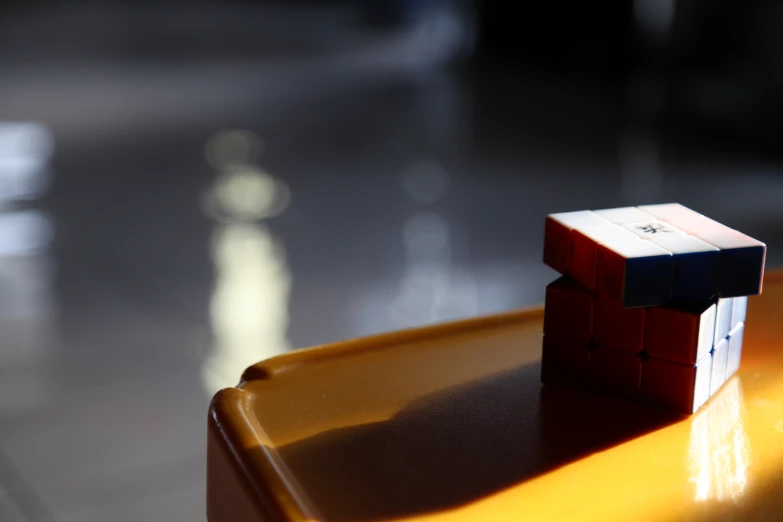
column 451, row 422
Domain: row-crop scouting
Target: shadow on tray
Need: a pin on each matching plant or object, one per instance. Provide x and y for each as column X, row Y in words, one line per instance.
column 459, row 445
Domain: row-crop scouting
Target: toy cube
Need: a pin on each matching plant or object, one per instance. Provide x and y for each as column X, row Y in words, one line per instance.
column 681, row 334
column 618, row 328
column 568, row 311
column 681, row 387
column 652, row 304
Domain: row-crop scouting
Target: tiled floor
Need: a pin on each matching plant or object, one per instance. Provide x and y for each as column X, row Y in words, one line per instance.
column 353, row 201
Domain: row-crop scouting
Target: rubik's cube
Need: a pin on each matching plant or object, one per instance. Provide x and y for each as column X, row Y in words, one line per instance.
column 651, row 304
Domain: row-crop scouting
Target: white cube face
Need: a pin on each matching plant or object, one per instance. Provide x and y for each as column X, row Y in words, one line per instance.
column 682, row 217
column 726, row 238
column 604, row 233
column 679, row 244
column 720, row 358
column 701, row 392
column 624, row 215
column 635, row 249
column 583, row 218
column 653, row 229
column 735, row 350
column 739, row 311
column 672, row 212
column 668, row 211
column 723, row 315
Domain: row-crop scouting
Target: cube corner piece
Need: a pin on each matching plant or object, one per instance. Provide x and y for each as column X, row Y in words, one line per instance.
column 683, row 334
column 557, row 236
column 741, row 258
column 680, row 387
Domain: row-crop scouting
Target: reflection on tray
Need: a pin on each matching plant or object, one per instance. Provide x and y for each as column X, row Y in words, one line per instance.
column 719, row 451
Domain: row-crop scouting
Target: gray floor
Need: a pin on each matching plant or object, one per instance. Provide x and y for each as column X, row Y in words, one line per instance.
column 197, row 215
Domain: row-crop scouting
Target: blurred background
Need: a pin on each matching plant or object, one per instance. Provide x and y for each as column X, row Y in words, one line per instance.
column 189, row 187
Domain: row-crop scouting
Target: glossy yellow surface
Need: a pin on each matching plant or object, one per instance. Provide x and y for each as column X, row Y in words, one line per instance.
column 451, row 423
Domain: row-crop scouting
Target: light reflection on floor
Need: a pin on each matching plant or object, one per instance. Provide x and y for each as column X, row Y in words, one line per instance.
column 432, row 289
column 249, row 305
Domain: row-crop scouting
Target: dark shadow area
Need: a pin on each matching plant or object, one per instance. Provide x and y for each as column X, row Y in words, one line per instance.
column 461, row 444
